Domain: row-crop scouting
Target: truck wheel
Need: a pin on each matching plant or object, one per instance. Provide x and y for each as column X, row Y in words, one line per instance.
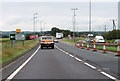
column 52, row 47
column 41, row 47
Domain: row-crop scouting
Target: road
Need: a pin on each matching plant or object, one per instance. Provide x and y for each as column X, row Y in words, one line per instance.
column 56, row 64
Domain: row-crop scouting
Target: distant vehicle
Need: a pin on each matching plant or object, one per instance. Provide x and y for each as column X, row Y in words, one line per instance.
column 47, row 41
column 88, row 40
column 117, row 41
column 90, row 36
column 99, row 39
column 59, row 35
column 55, row 41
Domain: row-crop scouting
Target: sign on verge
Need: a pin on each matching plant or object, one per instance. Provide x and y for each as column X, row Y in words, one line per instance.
column 12, row 36
column 19, row 37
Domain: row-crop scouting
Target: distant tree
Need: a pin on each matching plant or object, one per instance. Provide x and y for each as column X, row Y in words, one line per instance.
column 28, row 36
column 115, row 34
column 55, row 30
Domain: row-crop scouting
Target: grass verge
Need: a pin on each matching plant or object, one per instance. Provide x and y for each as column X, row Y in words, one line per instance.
column 72, row 40
column 113, row 49
column 9, row 53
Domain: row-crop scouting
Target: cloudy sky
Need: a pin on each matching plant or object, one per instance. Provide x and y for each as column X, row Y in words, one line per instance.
column 15, row 15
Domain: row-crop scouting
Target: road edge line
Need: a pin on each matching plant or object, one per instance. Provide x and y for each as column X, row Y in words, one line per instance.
column 20, row 67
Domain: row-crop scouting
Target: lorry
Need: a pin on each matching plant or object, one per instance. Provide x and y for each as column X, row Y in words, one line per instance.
column 99, row 39
column 59, row 35
column 47, row 41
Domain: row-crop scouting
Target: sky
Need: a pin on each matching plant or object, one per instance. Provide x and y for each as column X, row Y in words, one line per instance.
column 19, row 15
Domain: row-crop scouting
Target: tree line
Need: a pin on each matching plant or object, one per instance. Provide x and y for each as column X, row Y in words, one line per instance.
column 114, row 34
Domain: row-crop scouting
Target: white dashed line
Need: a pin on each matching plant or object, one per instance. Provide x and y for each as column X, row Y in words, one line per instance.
column 16, row 71
column 90, row 65
column 78, row 59
column 108, row 75
column 66, row 53
column 104, row 73
column 71, row 55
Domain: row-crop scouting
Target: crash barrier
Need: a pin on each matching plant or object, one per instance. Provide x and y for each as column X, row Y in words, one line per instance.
column 118, row 50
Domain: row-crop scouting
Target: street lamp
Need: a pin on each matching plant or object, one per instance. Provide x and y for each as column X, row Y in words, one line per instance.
column 74, row 21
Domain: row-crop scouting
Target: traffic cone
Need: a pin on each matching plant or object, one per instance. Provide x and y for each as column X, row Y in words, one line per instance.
column 118, row 50
column 87, row 46
column 78, row 45
column 82, row 45
column 104, row 49
column 94, row 49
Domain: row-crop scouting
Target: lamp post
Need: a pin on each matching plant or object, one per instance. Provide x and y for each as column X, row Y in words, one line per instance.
column 74, row 21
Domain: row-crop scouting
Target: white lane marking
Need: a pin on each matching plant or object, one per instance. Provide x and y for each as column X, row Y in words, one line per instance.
column 66, row 53
column 15, row 72
column 78, row 59
column 71, row 55
column 108, row 75
column 90, row 65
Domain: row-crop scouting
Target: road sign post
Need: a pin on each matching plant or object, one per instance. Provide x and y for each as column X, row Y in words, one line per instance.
column 20, row 37
column 12, row 38
column 23, row 42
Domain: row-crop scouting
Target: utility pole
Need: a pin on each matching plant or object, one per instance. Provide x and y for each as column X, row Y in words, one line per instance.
column 105, row 28
column 90, row 21
column 90, row 16
column 114, row 26
column 34, row 18
column 44, row 27
column 36, row 25
column 41, row 26
column 74, row 21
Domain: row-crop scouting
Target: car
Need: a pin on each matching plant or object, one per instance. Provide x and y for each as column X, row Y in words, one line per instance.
column 99, row 39
column 117, row 41
column 47, row 41
column 55, row 41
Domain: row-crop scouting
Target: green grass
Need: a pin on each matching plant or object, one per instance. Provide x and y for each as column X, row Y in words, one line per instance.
column 113, row 49
column 72, row 41
column 4, row 39
column 110, row 41
column 9, row 53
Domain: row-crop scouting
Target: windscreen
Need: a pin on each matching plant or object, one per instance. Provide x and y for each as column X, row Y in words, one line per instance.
column 46, row 38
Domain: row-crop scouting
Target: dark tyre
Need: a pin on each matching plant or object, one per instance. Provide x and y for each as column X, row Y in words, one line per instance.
column 41, row 47
column 52, row 47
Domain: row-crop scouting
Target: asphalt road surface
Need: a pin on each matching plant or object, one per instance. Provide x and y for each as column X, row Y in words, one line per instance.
column 57, row 64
